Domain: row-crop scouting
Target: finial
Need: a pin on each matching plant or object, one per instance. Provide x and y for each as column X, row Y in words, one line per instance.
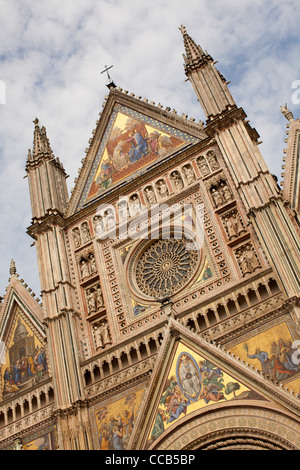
column 110, row 82
column 12, row 268
column 286, row 112
column 183, row 29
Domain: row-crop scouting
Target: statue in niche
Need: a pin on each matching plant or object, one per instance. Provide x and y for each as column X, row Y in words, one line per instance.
column 225, row 191
column 238, row 226
column 229, row 224
column 84, row 268
column 162, row 188
column 247, row 260
column 93, row 263
column 91, row 300
column 86, row 236
column 150, row 196
column 135, row 205
column 77, row 237
column 97, row 336
column 217, row 196
column 123, row 210
column 176, row 180
column 99, row 297
column 203, row 166
column 98, row 225
column 105, row 334
column 233, row 225
column 189, row 174
column 109, row 218
column 212, row 160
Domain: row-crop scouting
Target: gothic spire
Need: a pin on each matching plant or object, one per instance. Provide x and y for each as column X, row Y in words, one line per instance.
column 41, row 144
column 192, row 50
column 209, row 85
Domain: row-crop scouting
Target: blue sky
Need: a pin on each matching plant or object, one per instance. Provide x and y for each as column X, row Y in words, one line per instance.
column 51, row 56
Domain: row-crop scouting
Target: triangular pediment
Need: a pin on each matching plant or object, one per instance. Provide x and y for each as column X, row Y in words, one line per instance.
column 130, row 137
column 23, row 339
column 191, row 378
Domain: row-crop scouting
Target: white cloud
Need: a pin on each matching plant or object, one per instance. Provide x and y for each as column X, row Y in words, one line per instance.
column 52, row 53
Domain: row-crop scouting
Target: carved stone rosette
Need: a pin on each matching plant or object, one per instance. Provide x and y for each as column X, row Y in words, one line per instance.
column 165, row 267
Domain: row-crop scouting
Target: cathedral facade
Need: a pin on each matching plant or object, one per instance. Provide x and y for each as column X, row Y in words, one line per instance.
column 170, row 285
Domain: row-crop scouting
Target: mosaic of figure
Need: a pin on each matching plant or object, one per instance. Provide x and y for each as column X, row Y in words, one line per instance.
column 132, row 143
column 280, row 361
column 115, row 421
column 193, row 383
column 25, row 363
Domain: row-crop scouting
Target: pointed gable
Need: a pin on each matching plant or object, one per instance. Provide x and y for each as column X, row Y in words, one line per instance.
column 131, row 135
column 22, row 333
column 190, row 378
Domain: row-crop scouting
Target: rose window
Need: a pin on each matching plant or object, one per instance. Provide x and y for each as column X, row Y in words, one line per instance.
column 165, row 267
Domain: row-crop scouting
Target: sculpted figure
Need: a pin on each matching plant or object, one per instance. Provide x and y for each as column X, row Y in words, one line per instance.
column 189, row 174
column 98, row 225
column 77, row 237
column 123, row 210
column 248, row 261
column 177, row 180
column 135, row 205
column 86, row 236
column 150, row 196
column 84, row 268
column 97, row 337
column 93, row 263
column 162, row 188
column 203, row 167
column 226, row 192
column 287, row 113
column 91, row 300
column 212, row 160
column 109, row 219
column 217, row 197
column 105, row 334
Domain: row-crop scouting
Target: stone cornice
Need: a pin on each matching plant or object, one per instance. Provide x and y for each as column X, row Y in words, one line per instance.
column 226, row 119
column 46, row 223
